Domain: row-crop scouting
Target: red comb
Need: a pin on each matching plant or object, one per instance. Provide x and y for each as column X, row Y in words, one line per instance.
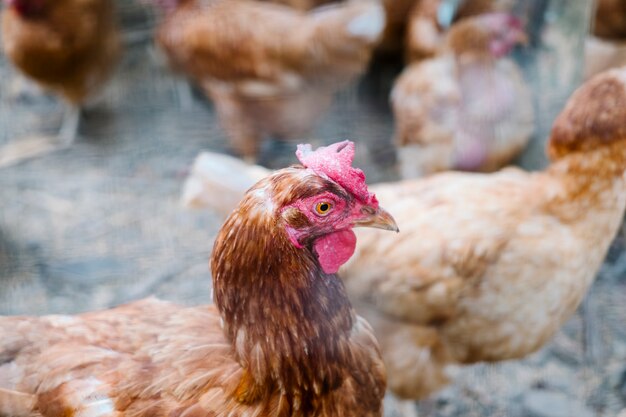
column 335, row 162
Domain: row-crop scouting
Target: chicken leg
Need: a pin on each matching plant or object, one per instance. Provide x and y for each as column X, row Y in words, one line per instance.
column 184, row 94
column 70, row 125
column 38, row 145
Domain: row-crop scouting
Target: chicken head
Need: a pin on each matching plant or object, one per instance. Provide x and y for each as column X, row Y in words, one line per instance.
column 493, row 33
column 324, row 220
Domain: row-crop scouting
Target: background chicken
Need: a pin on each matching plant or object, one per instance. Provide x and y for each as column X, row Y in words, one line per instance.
column 282, row 339
column 270, row 70
column 606, row 46
column 396, row 11
column 469, row 107
column 67, row 46
column 487, row 266
column 426, row 28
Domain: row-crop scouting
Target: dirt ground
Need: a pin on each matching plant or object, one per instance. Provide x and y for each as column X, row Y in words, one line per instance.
column 100, row 224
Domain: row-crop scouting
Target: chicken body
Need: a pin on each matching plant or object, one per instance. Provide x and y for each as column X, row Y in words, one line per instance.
column 487, row 266
column 495, row 264
column 468, row 108
column 148, row 358
column 270, row 70
column 282, row 339
column 67, row 46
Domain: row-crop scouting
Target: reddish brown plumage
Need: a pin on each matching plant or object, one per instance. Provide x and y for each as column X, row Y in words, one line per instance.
column 322, row 328
column 283, row 341
column 67, row 46
column 271, row 70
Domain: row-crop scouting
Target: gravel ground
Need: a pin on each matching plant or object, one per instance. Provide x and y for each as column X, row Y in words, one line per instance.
column 100, row 223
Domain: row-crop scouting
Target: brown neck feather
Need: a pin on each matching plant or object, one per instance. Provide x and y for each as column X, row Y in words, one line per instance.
column 591, row 179
column 604, row 162
column 288, row 321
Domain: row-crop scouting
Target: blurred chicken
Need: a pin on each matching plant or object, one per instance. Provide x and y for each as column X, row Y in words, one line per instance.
column 67, row 46
column 282, row 339
column 392, row 40
column 426, row 30
column 270, row 70
column 424, row 34
column 606, row 47
column 487, row 266
column 469, row 107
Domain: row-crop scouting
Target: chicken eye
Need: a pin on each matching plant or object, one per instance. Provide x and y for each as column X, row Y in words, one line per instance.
column 323, row 208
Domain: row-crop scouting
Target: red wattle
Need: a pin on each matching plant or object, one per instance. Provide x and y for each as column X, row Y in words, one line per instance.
column 334, row 250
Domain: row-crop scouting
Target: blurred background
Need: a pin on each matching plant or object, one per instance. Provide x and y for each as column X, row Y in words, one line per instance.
column 100, row 222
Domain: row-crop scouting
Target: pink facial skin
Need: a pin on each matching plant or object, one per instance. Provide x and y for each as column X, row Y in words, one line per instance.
column 333, row 239
column 336, row 242
column 507, row 31
column 471, row 155
column 335, row 249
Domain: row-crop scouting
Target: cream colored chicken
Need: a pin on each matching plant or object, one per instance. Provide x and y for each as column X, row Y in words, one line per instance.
column 487, row 267
column 271, row 70
column 469, row 107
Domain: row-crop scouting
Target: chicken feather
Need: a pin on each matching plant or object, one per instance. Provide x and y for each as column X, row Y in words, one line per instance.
column 281, row 340
column 487, row 266
column 271, row 70
column 71, row 50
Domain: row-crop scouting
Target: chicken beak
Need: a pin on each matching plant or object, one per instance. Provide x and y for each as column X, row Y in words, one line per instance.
column 377, row 218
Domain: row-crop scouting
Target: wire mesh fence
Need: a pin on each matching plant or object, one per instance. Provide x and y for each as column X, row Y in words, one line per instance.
column 100, row 223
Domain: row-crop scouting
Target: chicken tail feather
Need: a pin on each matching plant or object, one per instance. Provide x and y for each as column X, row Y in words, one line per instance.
column 218, row 182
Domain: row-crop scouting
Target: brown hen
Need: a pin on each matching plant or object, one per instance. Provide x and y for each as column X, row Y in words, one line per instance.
column 67, row 46
column 271, row 70
column 282, row 339
column 488, row 266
